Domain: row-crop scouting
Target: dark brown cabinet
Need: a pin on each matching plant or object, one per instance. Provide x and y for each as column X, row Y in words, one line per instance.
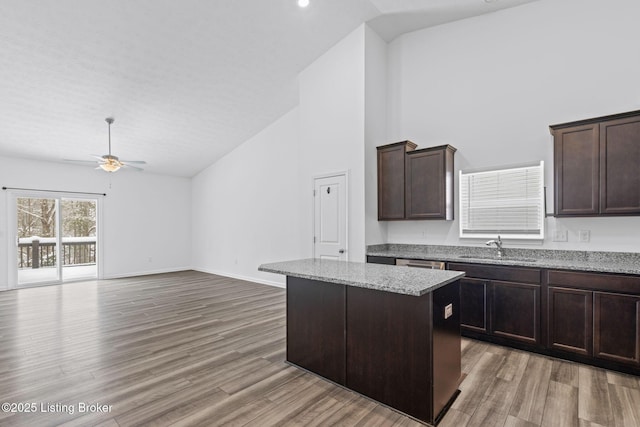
column 500, row 303
column 515, row 312
column 415, row 184
column 595, row 315
column 391, row 177
column 429, row 183
column 595, row 166
column 616, row 319
column 474, row 305
column 315, row 327
column 401, row 350
column 571, row 320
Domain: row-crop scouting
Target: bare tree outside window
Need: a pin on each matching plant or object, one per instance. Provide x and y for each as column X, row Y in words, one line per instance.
column 37, row 230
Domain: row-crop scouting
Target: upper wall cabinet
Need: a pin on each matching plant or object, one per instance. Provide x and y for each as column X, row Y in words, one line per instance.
column 429, row 183
column 415, row 184
column 596, row 166
column 391, row 164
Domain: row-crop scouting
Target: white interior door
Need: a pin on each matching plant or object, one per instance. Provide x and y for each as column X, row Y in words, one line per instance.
column 330, row 217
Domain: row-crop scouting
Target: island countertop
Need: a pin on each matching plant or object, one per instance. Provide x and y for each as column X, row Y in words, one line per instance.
column 389, row 278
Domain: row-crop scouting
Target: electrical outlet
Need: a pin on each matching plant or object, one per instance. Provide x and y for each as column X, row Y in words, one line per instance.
column 448, row 311
column 584, row 235
column 560, row 235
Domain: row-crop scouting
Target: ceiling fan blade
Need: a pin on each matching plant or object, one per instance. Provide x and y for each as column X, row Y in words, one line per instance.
column 135, row 162
column 97, row 157
column 83, row 162
column 132, row 167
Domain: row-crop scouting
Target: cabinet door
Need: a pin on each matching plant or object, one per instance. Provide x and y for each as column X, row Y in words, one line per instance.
column 515, row 311
column 616, row 324
column 391, row 164
column 473, row 305
column 619, row 170
column 570, row 320
column 425, row 190
column 316, row 327
column 577, row 170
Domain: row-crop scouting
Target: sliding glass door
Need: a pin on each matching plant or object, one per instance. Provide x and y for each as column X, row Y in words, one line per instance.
column 38, row 240
column 79, row 238
column 56, row 239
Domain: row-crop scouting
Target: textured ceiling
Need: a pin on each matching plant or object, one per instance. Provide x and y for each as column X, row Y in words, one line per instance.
column 187, row 81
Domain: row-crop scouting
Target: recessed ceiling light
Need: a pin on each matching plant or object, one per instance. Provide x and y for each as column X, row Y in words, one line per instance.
column 303, row 3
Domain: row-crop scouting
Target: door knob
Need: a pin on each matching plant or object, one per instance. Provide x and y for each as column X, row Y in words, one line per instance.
column 341, row 251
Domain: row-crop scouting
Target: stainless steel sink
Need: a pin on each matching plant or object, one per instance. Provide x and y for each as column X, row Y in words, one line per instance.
column 506, row 258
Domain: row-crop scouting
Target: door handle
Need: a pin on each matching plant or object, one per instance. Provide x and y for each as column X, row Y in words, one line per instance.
column 341, row 251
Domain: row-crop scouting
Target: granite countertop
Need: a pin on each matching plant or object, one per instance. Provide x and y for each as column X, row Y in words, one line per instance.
column 389, row 278
column 602, row 262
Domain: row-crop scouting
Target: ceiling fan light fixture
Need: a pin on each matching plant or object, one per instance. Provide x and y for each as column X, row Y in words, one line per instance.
column 303, row 3
column 109, row 162
column 110, row 165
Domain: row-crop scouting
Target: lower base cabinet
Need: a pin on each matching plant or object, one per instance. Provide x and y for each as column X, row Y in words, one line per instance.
column 616, row 322
column 515, row 312
column 474, row 304
column 315, row 324
column 584, row 316
column 571, row 320
column 403, row 351
column 597, row 316
column 500, row 303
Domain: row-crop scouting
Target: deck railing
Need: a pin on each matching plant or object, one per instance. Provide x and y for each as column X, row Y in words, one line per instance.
column 34, row 252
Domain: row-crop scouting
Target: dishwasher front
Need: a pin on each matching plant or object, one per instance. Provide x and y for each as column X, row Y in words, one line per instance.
column 433, row 265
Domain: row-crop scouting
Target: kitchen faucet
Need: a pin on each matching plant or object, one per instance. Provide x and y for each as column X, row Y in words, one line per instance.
column 498, row 244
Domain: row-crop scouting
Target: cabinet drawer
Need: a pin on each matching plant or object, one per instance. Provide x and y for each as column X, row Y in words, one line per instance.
column 494, row 272
column 595, row 281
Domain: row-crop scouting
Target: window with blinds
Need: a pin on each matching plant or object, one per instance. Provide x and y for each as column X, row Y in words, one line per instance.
column 507, row 202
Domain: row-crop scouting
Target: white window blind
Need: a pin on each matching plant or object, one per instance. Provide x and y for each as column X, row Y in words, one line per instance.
column 506, row 202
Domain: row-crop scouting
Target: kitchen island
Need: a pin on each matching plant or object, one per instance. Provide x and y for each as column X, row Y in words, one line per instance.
column 387, row 332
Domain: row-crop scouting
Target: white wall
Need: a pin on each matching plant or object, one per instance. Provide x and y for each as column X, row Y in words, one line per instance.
column 145, row 215
column 245, row 206
column 375, row 130
column 255, row 205
column 332, row 134
column 491, row 85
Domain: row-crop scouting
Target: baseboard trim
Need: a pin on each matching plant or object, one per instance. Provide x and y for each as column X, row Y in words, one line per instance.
column 145, row 273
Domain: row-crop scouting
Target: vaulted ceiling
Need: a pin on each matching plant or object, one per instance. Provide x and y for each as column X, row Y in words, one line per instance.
column 187, row 81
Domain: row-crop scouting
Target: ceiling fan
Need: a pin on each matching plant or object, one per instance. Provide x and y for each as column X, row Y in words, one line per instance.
column 109, row 162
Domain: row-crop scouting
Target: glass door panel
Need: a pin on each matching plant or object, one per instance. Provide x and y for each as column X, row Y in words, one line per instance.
column 38, row 240
column 79, row 244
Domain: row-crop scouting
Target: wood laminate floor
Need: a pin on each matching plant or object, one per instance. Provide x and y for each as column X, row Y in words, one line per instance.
column 191, row 348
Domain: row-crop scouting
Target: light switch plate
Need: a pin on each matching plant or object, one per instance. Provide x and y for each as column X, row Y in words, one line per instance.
column 560, row 235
